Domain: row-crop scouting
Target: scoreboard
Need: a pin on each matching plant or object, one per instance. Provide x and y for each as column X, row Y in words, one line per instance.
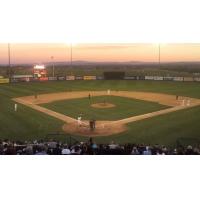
column 39, row 71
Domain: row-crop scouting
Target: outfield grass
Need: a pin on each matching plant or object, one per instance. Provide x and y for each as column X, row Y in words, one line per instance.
column 167, row 129
column 124, row 107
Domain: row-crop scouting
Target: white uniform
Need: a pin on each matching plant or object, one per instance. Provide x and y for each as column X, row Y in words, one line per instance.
column 188, row 102
column 79, row 121
column 183, row 103
column 108, row 92
column 15, row 107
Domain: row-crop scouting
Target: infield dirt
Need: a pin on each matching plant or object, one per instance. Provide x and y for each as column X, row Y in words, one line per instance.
column 104, row 128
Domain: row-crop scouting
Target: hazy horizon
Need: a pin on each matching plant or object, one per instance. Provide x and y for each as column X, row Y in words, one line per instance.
column 41, row 53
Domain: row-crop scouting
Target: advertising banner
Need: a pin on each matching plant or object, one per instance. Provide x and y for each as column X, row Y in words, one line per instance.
column 130, row 77
column 79, row 78
column 168, row 78
column 52, row 78
column 43, row 79
column 197, row 79
column 22, row 76
column 89, row 78
column 4, row 80
column 178, row 78
column 188, row 79
column 61, row 78
column 158, row 78
column 70, row 78
column 141, row 77
column 149, row 78
column 25, row 79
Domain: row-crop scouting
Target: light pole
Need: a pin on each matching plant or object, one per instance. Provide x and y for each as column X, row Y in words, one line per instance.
column 71, row 57
column 9, row 65
column 159, row 54
column 53, row 67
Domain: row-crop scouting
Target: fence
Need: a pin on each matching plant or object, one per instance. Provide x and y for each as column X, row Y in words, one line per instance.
column 28, row 78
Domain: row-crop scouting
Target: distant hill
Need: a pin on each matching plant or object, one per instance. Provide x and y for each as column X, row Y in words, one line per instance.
column 177, row 66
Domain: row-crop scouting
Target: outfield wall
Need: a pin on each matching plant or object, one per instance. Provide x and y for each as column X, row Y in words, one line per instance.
column 30, row 78
column 4, row 80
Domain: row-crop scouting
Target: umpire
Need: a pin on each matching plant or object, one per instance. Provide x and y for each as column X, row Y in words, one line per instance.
column 92, row 124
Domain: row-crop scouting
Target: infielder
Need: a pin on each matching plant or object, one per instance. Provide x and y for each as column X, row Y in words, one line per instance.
column 188, row 102
column 183, row 102
column 108, row 92
column 79, row 121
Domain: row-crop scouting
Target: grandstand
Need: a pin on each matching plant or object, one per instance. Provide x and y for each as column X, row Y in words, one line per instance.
column 53, row 147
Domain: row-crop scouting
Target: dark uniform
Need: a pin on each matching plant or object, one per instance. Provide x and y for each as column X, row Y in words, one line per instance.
column 91, row 125
column 94, row 124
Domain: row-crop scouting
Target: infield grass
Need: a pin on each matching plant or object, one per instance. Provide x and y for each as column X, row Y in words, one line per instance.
column 124, row 107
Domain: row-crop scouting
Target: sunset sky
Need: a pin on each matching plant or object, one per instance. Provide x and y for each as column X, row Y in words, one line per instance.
column 39, row 53
column 103, row 30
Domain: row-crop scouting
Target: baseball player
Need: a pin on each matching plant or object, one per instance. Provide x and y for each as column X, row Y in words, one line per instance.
column 91, row 125
column 108, row 92
column 188, row 102
column 15, row 107
column 79, row 121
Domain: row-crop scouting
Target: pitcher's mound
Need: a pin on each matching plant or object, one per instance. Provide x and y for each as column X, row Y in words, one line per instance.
column 102, row 129
column 103, row 105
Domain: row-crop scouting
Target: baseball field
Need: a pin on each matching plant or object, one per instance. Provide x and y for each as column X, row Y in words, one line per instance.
column 66, row 100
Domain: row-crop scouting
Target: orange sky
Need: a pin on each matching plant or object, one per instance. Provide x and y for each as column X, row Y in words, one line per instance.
column 38, row 53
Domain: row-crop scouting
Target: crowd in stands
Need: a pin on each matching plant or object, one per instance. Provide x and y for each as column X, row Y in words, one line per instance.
column 53, row 147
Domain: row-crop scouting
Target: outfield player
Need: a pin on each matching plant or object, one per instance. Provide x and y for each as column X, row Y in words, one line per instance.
column 15, row 107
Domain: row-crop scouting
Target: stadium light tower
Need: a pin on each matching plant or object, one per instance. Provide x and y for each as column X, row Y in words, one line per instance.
column 71, row 54
column 9, row 65
column 53, row 67
column 71, row 50
column 159, row 54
